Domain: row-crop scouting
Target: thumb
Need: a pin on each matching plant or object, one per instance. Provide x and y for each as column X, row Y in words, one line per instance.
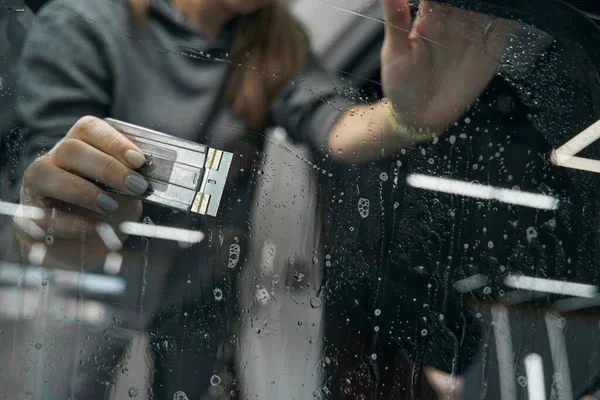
column 396, row 14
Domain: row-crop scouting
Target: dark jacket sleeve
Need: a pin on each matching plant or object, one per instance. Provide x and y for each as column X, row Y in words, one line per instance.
column 62, row 76
column 309, row 106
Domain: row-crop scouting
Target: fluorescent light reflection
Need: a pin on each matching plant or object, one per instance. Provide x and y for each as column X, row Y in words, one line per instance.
column 19, row 210
column 109, row 236
column 560, row 358
column 551, row 286
column 504, row 353
column 471, row 283
column 28, row 227
column 564, row 156
column 576, row 303
column 477, row 190
column 162, row 232
column 521, row 296
column 534, row 369
column 37, row 253
column 112, row 263
column 32, row 276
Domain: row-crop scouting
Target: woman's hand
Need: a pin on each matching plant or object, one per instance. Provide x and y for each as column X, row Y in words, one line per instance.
column 62, row 183
column 435, row 69
column 94, row 150
column 432, row 72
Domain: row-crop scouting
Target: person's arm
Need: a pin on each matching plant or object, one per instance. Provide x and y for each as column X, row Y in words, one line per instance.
column 324, row 112
column 433, row 70
column 363, row 133
column 370, row 132
column 64, row 91
column 316, row 113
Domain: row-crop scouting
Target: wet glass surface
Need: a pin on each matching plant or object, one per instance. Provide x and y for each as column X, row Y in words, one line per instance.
column 461, row 264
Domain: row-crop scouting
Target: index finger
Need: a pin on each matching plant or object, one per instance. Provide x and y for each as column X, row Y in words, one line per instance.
column 101, row 135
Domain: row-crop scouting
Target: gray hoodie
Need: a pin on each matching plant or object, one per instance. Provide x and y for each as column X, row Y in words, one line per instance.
column 85, row 57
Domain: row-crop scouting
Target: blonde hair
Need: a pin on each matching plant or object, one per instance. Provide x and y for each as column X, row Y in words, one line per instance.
column 270, row 48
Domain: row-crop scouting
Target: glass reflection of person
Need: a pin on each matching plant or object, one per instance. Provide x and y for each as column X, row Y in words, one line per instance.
column 145, row 63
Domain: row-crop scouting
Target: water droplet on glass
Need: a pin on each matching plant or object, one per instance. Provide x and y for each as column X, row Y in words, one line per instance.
column 49, row 240
column 234, row 255
column 218, row 294
column 38, row 346
column 263, row 296
column 363, row 207
column 299, row 276
column 377, row 312
column 180, row 395
column 215, row 380
column 373, row 356
column 522, row 381
column 424, row 332
column 315, row 302
column 531, row 233
column 133, row 391
column 487, row 290
column 383, row 176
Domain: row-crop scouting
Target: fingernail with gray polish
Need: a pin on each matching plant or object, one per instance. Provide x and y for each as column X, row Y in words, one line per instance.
column 135, row 158
column 107, row 203
column 136, row 184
